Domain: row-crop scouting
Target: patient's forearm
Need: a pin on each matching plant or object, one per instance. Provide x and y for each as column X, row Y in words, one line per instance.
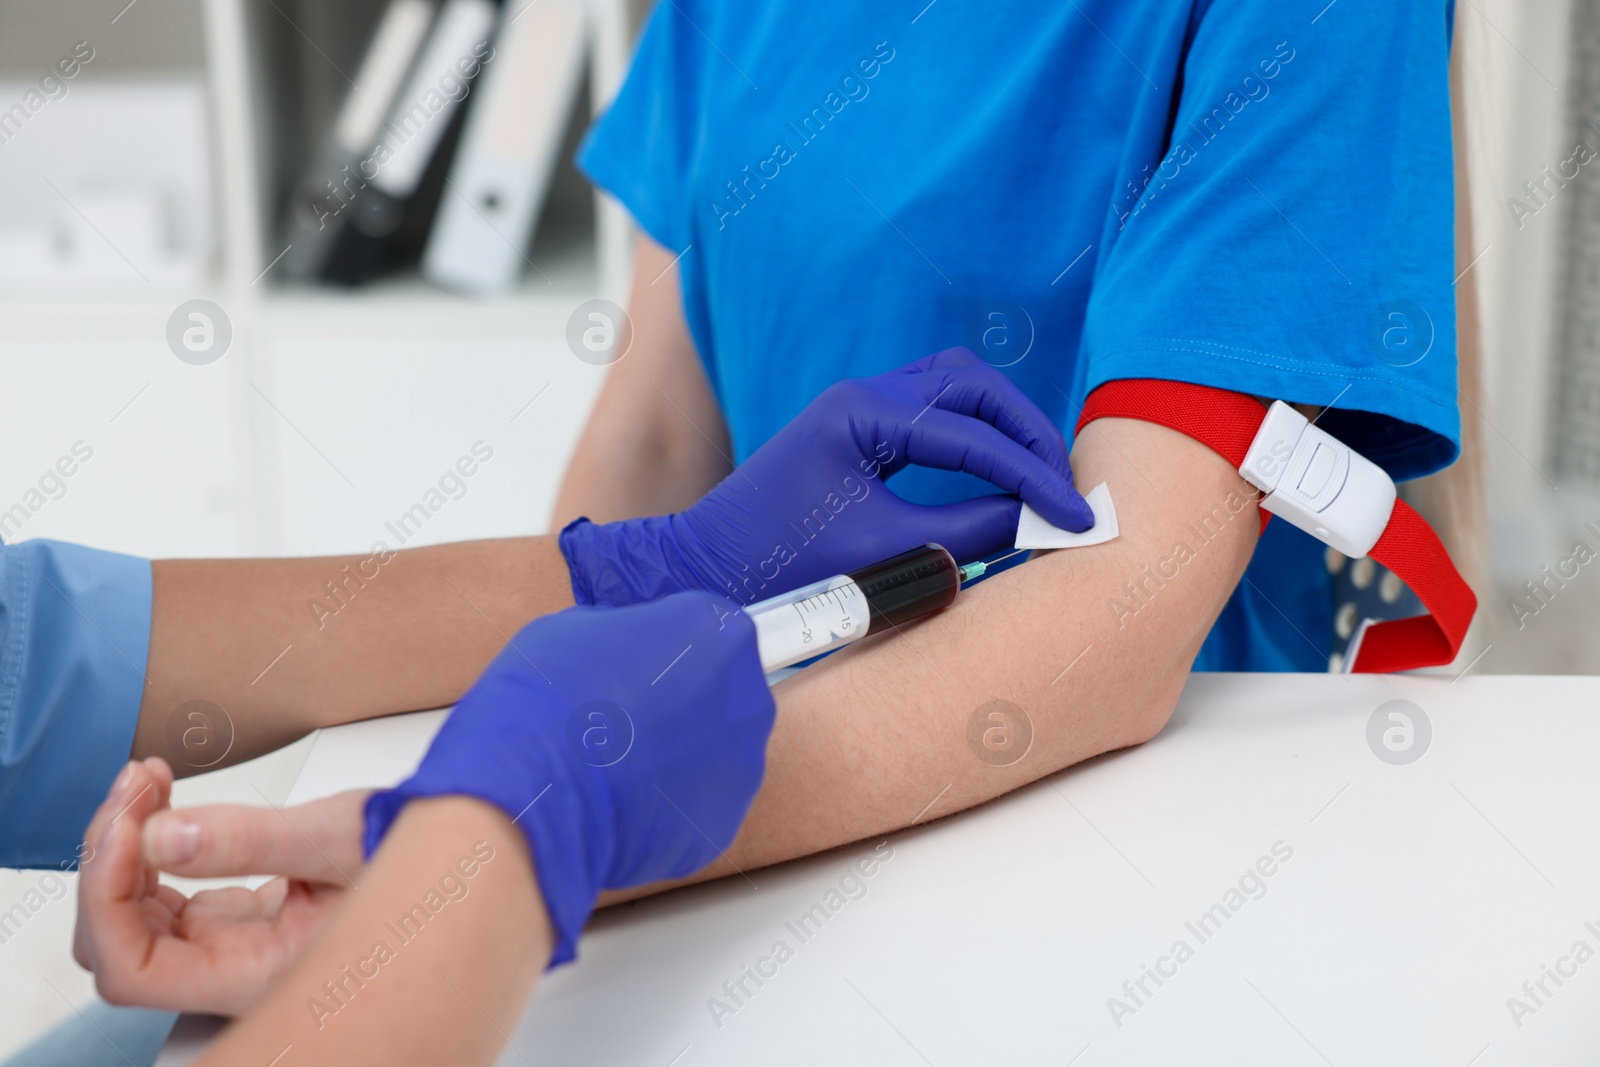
column 876, row 737
column 283, row 646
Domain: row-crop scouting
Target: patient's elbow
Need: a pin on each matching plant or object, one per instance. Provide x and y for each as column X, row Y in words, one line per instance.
column 1153, row 718
column 1119, row 711
column 1149, row 706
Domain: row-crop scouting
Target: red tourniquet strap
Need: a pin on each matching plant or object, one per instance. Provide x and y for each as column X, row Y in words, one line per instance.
column 1224, row 421
column 1411, row 549
column 1227, row 423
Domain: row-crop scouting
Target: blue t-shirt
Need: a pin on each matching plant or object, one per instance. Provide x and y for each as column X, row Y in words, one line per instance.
column 1254, row 195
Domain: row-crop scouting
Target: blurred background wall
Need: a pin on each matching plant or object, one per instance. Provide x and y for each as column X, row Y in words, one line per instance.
column 1530, row 103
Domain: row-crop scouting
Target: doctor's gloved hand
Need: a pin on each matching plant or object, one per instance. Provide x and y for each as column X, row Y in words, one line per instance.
column 811, row 502
column 626, row 745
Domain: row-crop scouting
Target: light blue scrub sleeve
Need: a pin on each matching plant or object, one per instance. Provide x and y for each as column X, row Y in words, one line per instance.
column 1297, row 238
column 74, row 643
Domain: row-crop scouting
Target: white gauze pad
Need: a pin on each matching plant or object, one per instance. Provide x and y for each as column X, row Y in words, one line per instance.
column 1034, row 532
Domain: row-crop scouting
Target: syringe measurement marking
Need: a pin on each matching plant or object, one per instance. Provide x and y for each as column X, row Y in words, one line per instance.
column 808, row 606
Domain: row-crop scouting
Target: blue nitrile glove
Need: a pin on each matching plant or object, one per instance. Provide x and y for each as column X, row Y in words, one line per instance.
column 626, row 744
column 811, row 502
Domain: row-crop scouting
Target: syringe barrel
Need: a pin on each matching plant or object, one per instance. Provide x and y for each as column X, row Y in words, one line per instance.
column 809, row 621
column 837, row 611
column 908, row 586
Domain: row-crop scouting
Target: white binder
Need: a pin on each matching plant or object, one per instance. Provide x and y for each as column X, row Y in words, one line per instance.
column 508, row 150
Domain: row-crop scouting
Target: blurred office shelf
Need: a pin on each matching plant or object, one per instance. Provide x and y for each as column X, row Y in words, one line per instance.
column 333, row 408
column 271, row 119
column 564, row 271
column 269, row 91
column 271, row 76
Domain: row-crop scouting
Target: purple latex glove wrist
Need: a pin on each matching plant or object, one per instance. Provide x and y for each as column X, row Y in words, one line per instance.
column 626, row 745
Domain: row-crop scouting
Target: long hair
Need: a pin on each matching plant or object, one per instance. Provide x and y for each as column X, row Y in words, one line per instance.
column 1455, row 500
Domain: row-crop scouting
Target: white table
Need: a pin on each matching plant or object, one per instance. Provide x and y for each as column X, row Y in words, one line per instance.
column 1418, row 898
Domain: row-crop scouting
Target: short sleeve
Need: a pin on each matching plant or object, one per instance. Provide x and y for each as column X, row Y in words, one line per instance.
column 74, row 645
column 1296, row 240
column 641, row 150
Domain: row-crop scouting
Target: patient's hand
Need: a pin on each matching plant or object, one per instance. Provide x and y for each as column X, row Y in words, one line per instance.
column 216, row 952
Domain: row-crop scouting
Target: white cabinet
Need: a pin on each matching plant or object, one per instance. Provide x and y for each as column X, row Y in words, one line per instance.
column 419, row 439
column 157, row 463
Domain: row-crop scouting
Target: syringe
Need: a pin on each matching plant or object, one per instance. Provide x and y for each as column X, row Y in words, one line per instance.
column 837, row 611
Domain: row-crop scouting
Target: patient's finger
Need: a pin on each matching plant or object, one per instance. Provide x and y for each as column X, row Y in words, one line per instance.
column 132, row 782
column 161, row 778
column 133, row 959
column 111, row 886
column 315, row 842
column 161, row 771
column 116, row 797
column 140, row 789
